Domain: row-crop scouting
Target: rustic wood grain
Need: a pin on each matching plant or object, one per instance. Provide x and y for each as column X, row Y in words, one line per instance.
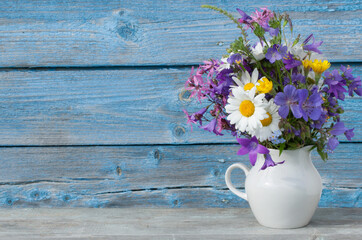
column 134, row 176
column 96, row 107
column 172, row 224
column 136, row 32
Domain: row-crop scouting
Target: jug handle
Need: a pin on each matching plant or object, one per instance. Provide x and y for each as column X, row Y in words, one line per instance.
column 228, row 180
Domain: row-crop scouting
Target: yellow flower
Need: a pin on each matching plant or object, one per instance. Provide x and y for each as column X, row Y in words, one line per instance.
column 264, row 85
column 307, row 64
column 319, row 67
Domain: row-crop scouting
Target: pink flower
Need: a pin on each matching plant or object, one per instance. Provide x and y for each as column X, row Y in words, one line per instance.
column 262, row 18
column 195, row 84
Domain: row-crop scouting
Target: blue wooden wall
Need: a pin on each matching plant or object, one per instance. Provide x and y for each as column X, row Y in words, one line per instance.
column 91, row 99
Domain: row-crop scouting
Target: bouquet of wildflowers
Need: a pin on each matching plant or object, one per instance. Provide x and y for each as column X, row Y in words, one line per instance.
column 276, row 93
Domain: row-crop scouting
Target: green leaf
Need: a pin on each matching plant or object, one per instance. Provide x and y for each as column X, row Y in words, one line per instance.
column 323, row 155
column 281, row 148
column 259, row 31
column 296, row 40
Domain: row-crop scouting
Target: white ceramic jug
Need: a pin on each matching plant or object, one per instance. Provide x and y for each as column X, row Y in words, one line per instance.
column 283, row 196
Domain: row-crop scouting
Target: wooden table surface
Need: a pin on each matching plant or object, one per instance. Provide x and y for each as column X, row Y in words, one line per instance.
column 153, row 223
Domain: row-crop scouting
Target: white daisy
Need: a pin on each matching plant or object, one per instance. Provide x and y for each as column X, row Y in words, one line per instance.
column 245, row 109
column 246, row 81
column 270, row 124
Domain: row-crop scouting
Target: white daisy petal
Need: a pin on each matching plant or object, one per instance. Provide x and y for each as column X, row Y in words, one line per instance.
column 254, row 76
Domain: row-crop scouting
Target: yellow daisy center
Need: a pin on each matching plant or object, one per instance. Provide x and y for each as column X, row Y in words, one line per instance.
column 247, row 108
column 248, row 86
column 319, row 67
column 267, row 121
column 265, row 85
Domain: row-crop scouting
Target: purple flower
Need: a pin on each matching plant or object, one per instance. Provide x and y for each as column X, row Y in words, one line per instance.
column 335, row 84
column 245, row 18
column 235, row 58
column 354, row 84
column 269, row 162
column 212, row 127
column 349, row 134
column 322, row 120
column 251, row 147
column 312, row 47
column 288, row 100
column 338, row 129
column 332, row 143
column 276, row 53
column 272, row 31
column 310, row 106
column 195, row 117
column 298, row 78
column 290, row 62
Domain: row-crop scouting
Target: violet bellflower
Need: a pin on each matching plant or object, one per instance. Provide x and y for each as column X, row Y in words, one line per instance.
column 276, row 53
column 212, row 127
column 288, row 99
column 349, row 134
column 310, row 106
column 312, row 47
column 335, row 84
column 290, row 62
column 245, row 18
column 251, row 147
column 195, row 117
column 355, row 84
column 338, row 129
column 332, row 143
column 269, row 162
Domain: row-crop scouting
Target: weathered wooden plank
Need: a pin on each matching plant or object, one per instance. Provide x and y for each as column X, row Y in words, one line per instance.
column 108, row 107
column 84, row 195
column 137, row 32
column 169, row 224
column 172, row 176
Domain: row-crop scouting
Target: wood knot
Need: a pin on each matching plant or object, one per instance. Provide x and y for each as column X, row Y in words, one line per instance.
column 156, row 156
column 184, row 95
column 127, row 31
column 39, row 195
column 179, row 131
column 216, row 172
column 126, row 26
column 119, row 170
